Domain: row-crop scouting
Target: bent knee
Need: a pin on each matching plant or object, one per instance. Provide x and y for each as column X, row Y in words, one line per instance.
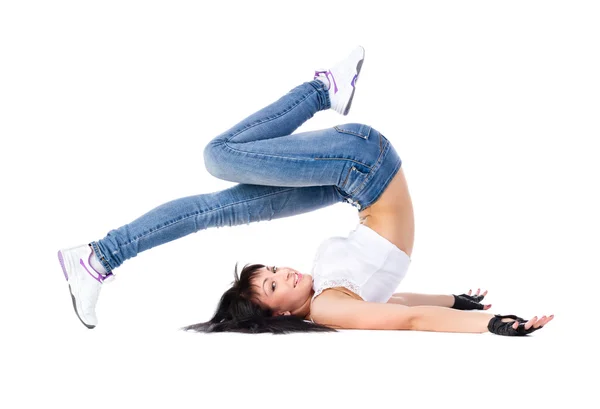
column 213, row 160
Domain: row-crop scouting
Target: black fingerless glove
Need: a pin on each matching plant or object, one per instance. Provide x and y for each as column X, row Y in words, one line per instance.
column 467, row 302
column 497, row 326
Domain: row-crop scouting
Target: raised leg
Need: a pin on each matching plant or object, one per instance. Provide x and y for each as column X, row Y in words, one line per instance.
column 241, row 204
column 353, row 157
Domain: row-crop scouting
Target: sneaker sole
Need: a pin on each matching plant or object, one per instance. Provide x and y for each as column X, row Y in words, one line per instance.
column 62, row 265
column 358, row 68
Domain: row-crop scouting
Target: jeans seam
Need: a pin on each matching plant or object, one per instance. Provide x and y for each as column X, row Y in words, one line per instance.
column 352, row 132
column 376, row 166
column 269, row 119
column 351, row 160
column 101, row 257
column 320, row 86
column 346, row 180
column 171, row 222
column 263, row 154
column 270, row 155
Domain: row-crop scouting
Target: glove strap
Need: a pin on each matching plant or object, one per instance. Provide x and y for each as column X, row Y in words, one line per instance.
column 464, row 303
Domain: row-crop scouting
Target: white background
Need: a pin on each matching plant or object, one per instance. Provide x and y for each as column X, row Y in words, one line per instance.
column 105, row 108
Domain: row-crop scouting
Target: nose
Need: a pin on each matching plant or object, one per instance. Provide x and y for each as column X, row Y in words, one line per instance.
column 287, row 274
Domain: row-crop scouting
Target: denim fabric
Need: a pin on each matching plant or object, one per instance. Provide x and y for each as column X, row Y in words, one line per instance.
column 280, row 174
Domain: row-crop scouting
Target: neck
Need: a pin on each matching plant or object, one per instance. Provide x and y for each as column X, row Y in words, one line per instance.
column 304, row 311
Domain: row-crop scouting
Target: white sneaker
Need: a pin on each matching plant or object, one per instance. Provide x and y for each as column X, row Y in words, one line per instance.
column 342, row 80
column 84, row 281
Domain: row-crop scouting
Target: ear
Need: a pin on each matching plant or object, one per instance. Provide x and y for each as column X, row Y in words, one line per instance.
column 283, row 313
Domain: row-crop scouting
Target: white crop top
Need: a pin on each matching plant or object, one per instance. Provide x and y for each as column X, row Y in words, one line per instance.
column 364, row 262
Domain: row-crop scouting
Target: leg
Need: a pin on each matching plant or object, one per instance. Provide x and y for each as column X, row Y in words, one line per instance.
column 241, row 204
column 284, row 116
column 260, row 150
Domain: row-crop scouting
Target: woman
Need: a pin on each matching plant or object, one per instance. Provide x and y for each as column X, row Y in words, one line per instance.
column 281, row 174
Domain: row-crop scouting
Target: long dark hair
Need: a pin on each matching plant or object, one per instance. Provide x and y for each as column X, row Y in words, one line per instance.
column 238, row 312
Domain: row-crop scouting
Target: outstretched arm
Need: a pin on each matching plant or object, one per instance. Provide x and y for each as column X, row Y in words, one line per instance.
column 348, row 313
column 439, row 319
column 344, row 312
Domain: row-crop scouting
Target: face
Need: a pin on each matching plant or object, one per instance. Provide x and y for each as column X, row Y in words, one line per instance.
column 283, row 289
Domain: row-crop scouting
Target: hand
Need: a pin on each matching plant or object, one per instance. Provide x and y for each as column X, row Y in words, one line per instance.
column 470, row 302
column 513, row 325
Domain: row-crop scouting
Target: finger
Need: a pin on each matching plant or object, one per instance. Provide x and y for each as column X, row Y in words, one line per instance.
column 530, row 323
column 540, row 322
column 487, row 307
column 484, row 293
column 478, row 290
column 515, row 325
column 469, row 293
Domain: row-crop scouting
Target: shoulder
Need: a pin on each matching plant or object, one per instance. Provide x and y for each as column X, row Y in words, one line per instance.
column 339, row 310
column 326, row 302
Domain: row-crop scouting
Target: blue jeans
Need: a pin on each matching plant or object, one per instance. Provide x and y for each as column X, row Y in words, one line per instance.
column 279, row 175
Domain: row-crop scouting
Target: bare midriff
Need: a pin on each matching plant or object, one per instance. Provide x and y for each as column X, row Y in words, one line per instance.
column 391, row 216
